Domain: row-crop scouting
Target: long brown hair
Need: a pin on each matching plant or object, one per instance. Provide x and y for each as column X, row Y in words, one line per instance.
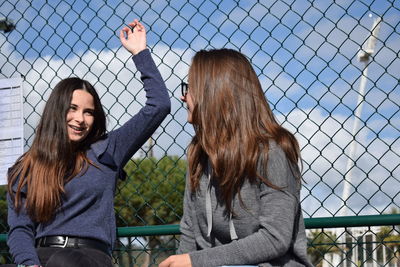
column 52, row 160
column 231, row 118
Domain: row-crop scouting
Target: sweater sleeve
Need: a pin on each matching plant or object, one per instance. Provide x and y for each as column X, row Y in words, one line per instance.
column 21, row 236
column 187, row 241
column 277, row 222
column 126, row 140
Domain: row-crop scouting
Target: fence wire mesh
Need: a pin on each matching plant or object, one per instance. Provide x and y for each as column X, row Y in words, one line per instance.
column 362, row 246
column 330, row 71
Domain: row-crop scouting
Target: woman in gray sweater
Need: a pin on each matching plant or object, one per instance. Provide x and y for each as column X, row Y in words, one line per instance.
column 242, row 197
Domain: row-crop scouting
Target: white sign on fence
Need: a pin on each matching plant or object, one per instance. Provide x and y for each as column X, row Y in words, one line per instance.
column 11, row 124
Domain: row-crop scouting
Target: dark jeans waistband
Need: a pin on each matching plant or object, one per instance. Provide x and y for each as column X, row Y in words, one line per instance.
column 72, row 242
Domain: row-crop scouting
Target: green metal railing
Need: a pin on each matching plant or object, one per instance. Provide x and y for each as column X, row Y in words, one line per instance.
column 310, row 223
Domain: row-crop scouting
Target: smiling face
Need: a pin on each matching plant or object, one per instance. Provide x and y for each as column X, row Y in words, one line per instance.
column 80, row 115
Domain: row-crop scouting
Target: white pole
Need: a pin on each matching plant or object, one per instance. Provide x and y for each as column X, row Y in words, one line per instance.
column 364, row 248
column 374, row 251
column 363, row 56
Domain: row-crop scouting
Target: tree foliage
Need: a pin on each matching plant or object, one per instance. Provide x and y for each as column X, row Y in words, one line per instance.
column 4, row 257
column 152, row 193
column 3, row 209
column 321, row 243
column 390, row 238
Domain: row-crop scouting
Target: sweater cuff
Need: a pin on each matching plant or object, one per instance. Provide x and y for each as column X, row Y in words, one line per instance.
column 140, row 58
column 196, row 258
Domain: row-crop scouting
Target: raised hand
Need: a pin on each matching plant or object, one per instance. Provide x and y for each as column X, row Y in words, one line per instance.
column 133, row 38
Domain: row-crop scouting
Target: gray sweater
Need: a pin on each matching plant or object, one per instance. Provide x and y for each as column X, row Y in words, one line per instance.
column 267, row 231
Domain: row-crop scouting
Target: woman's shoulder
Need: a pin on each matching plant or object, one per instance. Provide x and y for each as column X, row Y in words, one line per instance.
column 279, row 170
column 273, row 150
column 273, row 145
column 100, row 146
column 13, row 171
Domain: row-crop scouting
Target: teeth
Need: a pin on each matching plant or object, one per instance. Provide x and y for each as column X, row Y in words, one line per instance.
column 77, row 128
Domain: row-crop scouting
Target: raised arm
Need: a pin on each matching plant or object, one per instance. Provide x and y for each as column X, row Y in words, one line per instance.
column 126, row 140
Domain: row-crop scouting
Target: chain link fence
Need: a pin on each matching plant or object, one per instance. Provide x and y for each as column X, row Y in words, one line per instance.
column 330, row 71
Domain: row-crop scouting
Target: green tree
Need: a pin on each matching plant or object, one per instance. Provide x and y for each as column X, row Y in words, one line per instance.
column 3, row 209
column 319, row 244
column 152, row 194
column 389, row 236
column 4, row 255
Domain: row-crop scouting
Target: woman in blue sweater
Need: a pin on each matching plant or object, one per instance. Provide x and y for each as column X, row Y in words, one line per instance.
column 61, row 191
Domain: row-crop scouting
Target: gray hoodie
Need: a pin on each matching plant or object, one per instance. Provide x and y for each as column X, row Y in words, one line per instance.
column 268, row 230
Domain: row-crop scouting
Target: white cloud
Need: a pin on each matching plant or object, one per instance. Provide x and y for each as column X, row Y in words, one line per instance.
column 117, row 81
column 325, row 150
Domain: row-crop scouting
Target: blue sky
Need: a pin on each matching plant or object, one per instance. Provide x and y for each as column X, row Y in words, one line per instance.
column 305, row 53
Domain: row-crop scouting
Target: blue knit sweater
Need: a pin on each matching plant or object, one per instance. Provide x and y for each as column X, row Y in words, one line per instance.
column 88, row 205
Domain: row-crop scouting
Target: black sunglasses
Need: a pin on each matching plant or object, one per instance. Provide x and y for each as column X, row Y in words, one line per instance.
column 184, row 89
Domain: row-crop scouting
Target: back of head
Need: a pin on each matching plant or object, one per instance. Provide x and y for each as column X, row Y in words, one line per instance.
column 232, row 120
column 229, row 103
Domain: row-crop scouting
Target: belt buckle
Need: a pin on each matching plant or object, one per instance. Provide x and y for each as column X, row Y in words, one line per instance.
column 65, row 242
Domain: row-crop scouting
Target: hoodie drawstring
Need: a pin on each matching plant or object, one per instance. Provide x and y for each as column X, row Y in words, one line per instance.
column 232, row 230
column 208, row 206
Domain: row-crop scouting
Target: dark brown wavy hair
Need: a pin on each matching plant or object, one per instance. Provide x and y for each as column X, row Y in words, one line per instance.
column 52, row 160
column 233, row 122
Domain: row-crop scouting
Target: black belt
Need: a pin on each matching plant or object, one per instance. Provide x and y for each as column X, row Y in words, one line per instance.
column 72, row 242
